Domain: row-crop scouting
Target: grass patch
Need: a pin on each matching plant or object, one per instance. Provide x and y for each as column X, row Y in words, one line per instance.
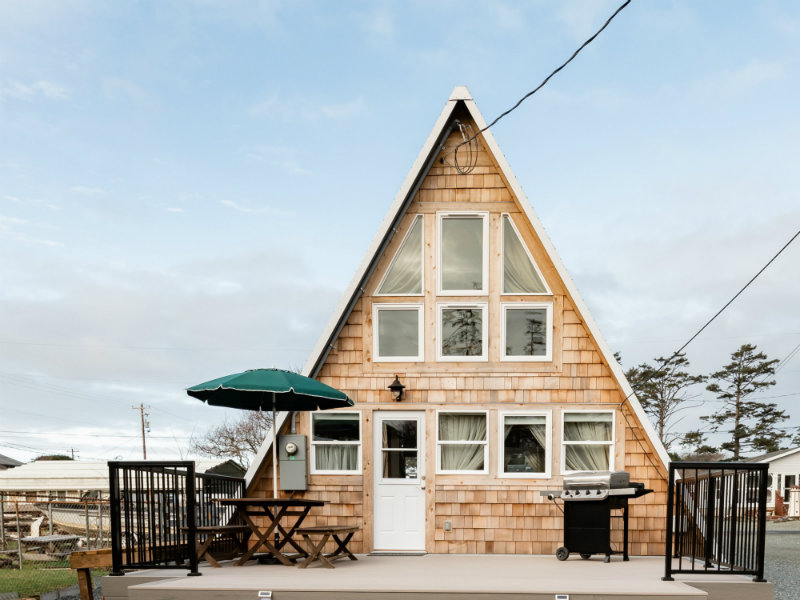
column 35, row 579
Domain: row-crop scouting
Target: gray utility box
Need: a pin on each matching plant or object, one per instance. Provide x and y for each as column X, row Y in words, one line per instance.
column 292, row 462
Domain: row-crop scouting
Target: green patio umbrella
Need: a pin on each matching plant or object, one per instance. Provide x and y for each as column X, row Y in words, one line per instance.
column 270, row 389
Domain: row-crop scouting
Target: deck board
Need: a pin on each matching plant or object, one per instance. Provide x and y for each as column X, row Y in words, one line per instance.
column 438, row 577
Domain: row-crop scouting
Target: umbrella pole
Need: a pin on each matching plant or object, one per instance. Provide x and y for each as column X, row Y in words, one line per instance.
column 274, row 451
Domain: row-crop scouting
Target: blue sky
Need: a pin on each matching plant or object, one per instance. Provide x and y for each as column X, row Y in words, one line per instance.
column 187, row 187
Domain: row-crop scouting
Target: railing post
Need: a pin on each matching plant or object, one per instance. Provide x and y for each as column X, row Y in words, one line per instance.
column 191, row 519
column 734, row 516
column 668, row 543
column 2, row 522
column 762, row 524
column 115, row 518
column 19, row 532
column 709, row 536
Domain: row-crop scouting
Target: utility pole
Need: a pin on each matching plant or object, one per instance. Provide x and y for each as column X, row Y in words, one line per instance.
column 145, row 426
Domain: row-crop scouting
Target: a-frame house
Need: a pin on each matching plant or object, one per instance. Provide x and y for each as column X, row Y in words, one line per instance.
column 509, row 385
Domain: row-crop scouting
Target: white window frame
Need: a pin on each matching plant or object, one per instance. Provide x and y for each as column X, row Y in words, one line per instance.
column 420, row 308
column 548, row 292
column 394, row 258
column 312, row 446
column 440, row 443
column 505, row 306
column 440, row 216
column 484, row 306
column 611, row 444
column 501, row 443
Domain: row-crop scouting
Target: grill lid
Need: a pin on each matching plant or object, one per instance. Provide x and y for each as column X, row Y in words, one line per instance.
column 597, row 480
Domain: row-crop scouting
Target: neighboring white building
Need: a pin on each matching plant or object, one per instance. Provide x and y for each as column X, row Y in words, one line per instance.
column 784, row 470
column 62, row 479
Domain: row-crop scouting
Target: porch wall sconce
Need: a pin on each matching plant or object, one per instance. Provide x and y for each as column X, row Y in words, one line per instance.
column 397, row 389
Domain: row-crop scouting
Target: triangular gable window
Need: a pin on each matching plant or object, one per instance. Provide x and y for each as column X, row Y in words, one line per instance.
column 404, row 277
column 520, row 275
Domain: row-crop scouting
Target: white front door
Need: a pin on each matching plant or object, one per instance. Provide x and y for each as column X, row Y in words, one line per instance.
column 399, row 500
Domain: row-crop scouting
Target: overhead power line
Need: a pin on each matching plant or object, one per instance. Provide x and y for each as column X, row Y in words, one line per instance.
column 537, row 88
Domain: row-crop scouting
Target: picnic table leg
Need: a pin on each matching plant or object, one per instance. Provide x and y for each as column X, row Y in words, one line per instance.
column 85, row 583
column 262, row 540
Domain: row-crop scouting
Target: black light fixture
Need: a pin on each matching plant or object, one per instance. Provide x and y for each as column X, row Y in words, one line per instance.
column 397, row 389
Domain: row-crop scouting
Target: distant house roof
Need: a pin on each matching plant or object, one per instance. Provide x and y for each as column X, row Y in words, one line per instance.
column 49, row 475
column 8, row 462
column 773, row 456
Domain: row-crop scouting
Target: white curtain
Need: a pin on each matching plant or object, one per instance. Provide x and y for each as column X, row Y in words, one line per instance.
column 462, row 428
column 587, row 427
column 332, row 457
column 536, row 426
column 405, row 273
column 519, row 274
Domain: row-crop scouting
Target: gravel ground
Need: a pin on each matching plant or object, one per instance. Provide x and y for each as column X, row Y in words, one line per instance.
column 782, row 563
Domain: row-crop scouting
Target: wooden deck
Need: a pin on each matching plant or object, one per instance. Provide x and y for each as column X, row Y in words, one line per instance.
column 437, row 577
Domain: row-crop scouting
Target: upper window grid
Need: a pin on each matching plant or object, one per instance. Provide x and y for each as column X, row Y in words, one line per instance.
column 458, row 261
column 507, row 272
column 506, row 349
column 397, row 309
column 464, row 331
column 406, row 271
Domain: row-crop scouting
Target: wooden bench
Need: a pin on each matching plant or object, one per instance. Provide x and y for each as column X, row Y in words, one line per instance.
column 83, row 562
column 210, row 532
column 326, row 533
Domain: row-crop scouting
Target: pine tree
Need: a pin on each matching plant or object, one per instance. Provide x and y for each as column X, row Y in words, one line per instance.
column 751, row 424
column 662, row 391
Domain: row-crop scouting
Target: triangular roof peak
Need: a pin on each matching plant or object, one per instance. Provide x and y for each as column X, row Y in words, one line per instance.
column 444, row 125
column 460, row 92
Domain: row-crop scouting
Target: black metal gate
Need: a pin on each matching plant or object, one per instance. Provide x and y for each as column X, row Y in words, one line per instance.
column 156, row 508
column 716, row 518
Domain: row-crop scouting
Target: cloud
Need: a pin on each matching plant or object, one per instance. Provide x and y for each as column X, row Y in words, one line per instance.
column 27, row 92
column 256, row 210
column 735, row 82
column 10, row 228
column 175, row 209
column 115, row 87
column 291, row 108
column 278, row 156
column 87, row 191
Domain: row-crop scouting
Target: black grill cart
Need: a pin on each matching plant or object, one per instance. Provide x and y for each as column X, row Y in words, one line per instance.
column 589, row 505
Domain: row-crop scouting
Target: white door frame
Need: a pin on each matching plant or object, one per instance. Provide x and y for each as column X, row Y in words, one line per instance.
column 408, row 493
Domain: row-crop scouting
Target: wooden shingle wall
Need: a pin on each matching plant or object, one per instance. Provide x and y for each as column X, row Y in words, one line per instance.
column 487, row 514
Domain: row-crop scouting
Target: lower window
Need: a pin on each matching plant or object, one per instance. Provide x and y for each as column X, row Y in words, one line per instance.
column 336, row 443
column 588, row 441
column 525, row 446
column 462, row 443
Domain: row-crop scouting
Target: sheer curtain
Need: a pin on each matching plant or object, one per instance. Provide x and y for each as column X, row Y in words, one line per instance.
column 536, row 426
column 337, row 458
column 587, row 427
column 405, row 273
column 462, row 428
column 519, row 274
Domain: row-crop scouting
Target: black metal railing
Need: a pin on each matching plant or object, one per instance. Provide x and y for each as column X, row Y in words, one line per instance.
column 716, row 519
column 156, row 508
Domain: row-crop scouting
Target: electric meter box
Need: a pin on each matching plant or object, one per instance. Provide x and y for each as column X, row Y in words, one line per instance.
column 292, row 462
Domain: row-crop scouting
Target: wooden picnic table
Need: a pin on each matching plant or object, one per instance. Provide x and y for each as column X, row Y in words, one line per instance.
column 54, row 545
column 273, row 511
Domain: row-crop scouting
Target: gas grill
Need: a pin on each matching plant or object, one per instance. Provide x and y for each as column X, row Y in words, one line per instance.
column 589, row 499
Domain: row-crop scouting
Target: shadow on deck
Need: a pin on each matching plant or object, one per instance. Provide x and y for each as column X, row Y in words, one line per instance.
column 438, row 577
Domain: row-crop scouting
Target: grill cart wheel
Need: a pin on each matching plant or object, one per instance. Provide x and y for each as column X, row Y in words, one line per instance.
column 585, row 556
column 562, row 553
